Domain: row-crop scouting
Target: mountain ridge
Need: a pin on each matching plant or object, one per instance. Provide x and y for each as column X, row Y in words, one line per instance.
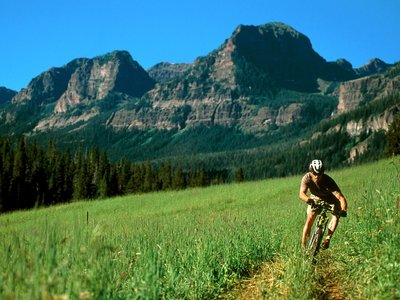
column 261, row 80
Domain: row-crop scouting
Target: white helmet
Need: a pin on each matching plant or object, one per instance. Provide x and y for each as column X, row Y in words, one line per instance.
column 317, row 167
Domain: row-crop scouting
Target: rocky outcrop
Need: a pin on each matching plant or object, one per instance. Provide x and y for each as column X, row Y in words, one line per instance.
column 96, row 78
column 358, row 150
column 286, row 56
column 208, row 77
column 352, row 93
column 178, row 114
column 288, row 115
column 164, row 71
column 59, row 121
column 84, row 80
column 374, row 66
column 48, row 86
column 364, row 128
column 374, row 123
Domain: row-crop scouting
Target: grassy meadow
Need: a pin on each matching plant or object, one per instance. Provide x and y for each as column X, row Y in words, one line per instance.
column 199, row 243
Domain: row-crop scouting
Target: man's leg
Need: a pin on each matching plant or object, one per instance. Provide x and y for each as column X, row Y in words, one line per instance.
column 307, row 228
column 332, row 226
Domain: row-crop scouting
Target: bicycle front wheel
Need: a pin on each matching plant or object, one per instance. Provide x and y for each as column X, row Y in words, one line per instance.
column 315, row 241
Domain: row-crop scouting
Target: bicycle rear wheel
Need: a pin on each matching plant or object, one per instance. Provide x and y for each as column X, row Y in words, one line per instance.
column 315, row 241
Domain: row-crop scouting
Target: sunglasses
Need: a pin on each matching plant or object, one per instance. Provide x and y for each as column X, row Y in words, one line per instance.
column 317, row 174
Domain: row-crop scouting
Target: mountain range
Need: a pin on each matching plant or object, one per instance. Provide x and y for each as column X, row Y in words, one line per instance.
column 264, row 85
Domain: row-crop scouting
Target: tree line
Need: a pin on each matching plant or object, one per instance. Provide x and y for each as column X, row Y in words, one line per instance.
column 32, row 175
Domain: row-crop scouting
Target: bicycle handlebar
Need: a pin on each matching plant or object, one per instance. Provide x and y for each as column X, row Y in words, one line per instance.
column 325, row 205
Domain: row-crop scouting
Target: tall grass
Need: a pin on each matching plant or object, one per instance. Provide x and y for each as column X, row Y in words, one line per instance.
column 195, row 244
column 363, row 261
column 369, row 247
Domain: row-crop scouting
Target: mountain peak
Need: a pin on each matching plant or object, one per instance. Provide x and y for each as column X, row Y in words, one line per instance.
column 255, row 61
column 98, row 77
column 283, row 54
column 6, row 95
column 84, row 79
column 114, row 55
column 374, row 66
column 279, row 28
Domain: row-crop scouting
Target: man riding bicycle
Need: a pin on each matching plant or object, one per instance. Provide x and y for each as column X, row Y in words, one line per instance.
column 322, row 188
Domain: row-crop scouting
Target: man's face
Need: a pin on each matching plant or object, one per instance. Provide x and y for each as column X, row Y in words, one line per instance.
column 316, row 177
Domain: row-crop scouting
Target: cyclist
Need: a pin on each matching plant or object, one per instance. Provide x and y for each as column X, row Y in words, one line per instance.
column 321, row 187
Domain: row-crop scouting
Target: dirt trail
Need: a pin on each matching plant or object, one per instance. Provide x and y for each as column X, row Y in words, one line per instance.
column 263, row 284
column 268, row 283
column 327, row 279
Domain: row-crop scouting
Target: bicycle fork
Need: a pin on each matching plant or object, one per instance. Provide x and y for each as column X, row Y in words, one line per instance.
column 318, row 233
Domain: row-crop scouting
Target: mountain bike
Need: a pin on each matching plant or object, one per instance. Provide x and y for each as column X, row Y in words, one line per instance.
column 323, row 208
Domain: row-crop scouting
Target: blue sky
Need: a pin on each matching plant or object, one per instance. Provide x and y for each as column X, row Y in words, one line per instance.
column 36, row 35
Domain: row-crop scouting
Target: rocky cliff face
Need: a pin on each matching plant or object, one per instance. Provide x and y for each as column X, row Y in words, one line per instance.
column 163, row 72
column 84, row 80
column 286, row 56
column 217, row 89
column 363, row 90
column 235, row 85
column 95, row 79
column 372, row 124
column 374, row 66
column 48, row 86
column 352, row 93
column 365, row 127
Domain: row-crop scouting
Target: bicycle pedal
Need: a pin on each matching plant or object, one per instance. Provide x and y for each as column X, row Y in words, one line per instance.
column 325, row 244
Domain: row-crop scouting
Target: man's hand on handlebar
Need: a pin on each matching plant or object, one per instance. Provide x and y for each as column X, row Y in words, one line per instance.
column 311, row 202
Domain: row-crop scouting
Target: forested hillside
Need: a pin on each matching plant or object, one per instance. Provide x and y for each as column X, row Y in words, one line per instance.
column 33, row 175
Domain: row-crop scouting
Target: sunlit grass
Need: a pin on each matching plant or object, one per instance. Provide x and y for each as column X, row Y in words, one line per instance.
column 195, row 244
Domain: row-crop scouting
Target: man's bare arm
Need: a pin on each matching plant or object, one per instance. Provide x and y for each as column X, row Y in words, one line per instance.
column 342, row 199
column 303, row 193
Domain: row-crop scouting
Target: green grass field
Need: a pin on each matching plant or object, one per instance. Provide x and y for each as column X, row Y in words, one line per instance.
column 198, row 243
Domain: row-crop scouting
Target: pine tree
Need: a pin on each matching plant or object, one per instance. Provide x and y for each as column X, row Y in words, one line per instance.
column 82, row 178
column 39, row 175
column 113, row 189
column 203, row 179
column 393, row 137
column 178, row 181
column 102, row 176
column 165, row 175
column 104, row 187
column 19, row 187
column 68, row 176
column 130, row 185
column 124, row 175
column 138, row 179
column 6, row 170
column 239, row 175
column 148, row 178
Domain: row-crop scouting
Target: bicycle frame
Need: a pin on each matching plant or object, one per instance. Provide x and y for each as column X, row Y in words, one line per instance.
column 319, row 228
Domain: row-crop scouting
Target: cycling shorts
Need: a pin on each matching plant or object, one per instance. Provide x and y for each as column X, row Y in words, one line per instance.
column 333, row 202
